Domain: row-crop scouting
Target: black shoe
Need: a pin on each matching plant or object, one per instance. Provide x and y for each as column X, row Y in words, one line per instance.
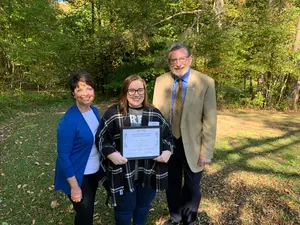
column 171, row 222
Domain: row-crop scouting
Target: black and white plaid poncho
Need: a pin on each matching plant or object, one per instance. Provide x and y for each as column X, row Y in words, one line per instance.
column 121, row 177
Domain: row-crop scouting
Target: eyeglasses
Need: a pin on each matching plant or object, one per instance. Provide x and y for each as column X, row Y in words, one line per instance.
column 132, row 92
column 181, row 59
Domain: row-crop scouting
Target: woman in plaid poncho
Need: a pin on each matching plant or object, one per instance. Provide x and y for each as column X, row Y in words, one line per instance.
column 133, row 183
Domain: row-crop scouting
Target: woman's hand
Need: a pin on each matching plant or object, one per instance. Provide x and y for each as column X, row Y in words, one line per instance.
column 164, row 157
column 117, row 158
column 76, row 194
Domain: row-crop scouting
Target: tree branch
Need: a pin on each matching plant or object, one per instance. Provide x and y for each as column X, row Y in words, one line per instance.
column 180, row 13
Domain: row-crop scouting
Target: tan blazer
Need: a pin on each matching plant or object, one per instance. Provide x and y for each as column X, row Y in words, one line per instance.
column 199, row 116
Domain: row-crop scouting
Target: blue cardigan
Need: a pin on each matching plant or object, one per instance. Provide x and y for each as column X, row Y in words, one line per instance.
column 74, row 144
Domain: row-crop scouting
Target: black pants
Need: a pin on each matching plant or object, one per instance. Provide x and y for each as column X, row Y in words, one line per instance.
column 183, row 200
column 85, row 209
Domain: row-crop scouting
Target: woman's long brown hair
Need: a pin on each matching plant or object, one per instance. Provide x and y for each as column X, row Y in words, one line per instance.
column 123, row 97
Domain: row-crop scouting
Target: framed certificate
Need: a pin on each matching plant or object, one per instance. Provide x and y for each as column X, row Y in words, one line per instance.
column 141, row 142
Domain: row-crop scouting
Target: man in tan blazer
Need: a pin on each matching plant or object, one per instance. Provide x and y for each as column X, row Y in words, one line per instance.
column 196, row 133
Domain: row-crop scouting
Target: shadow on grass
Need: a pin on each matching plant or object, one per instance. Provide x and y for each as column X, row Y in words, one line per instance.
column 241, row 203
column 253, row 204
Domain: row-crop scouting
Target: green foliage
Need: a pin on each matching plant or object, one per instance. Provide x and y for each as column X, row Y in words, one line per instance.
column 259, row 100
column 256, row 103
column 40, row 44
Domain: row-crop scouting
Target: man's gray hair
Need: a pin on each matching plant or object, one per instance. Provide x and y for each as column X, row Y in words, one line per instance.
column 179, row 45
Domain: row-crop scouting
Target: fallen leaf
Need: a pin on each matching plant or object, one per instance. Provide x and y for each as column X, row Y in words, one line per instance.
column 54, row 204
column 41, row 174
column 70, row 209
column 50, row 188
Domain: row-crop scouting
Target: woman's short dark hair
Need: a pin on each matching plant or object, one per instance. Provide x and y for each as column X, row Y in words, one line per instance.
column 123, row 97
column 83, row 76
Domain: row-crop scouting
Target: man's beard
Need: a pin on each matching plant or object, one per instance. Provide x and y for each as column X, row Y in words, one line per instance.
column 177, row 73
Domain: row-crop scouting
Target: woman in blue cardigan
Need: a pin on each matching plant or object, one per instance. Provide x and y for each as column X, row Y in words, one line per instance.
column 78, row 170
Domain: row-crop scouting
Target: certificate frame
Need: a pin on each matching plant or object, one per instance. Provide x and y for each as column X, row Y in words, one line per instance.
column 143, row 142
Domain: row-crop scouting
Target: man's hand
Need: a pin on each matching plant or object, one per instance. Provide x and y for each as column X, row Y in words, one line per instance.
column 203, row 161
column 164, row 157
column 117, row 158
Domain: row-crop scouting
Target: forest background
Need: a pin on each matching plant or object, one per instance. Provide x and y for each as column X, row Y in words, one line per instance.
column 250, row 47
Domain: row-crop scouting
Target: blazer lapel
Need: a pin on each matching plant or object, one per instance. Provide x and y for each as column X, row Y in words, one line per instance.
column 167, row 96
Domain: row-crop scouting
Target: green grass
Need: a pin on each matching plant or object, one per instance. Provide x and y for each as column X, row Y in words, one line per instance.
column 16, row 102
column 254, row 178
column 256, row 169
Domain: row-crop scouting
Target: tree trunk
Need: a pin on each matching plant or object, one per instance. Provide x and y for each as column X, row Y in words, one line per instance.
column 260, row 83
column 260, row 87
column 20, row 82
column 295, row 92
column 295, row 95
column 268, row 82
column 283, row 88
column 251, row 87
column 244, row 81
column 98, row 13
column 218, row 9
column 275, row 4
column 11, row 69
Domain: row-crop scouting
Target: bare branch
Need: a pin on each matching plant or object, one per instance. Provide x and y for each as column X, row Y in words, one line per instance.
column 180, row 13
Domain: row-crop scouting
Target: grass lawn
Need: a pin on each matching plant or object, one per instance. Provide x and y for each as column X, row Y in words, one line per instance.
column 254, row 177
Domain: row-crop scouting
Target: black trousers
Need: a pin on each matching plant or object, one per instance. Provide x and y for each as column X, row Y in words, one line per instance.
column 183, row 200
column 85, row 209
